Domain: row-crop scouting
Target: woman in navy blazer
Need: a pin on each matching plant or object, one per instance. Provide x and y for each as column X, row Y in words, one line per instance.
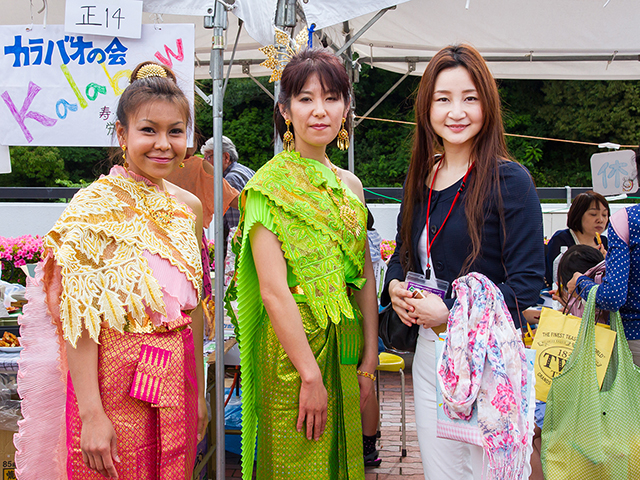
column 468, row 209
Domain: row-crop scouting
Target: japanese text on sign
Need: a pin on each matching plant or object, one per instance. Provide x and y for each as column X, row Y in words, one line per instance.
column 614, row 172
column 62, row 89
column 113, row 18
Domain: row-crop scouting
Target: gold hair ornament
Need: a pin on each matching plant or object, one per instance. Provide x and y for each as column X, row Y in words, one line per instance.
column 151, row 70
column 288, row 142
column 343, row 137
column 280, row 54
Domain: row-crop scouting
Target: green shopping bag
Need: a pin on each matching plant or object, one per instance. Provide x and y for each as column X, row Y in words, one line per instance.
column 592, row 433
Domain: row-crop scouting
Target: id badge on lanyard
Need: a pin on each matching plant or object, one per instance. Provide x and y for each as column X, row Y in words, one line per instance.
column 420, row 285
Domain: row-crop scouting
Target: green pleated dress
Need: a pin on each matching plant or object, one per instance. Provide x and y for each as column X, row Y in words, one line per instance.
column 270, row 382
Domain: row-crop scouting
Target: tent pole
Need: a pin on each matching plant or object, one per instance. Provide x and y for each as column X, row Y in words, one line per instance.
column 348, row 63
column 412, row 67
column 366, row 27
column 285, row 17
column 217, row 64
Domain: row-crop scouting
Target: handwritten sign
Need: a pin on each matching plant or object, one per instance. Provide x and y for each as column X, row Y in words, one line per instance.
column 113, row 18
column 614, row 173
column 61, row 89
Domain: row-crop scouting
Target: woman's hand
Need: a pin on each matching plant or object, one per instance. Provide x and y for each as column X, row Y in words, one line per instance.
column 399, row 296
column 602, row 250
column 532, row 315
column 429, row 311
column 203, row 417
column 313, row 408
column 99, row 445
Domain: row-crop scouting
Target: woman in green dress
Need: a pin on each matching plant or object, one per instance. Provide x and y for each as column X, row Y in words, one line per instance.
column 307, row 310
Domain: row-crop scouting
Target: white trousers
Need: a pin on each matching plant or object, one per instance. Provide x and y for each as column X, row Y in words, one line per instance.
column 441, row 458
column 444, row 459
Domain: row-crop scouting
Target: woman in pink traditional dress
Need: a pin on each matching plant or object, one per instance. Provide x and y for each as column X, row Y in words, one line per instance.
column 111, row 374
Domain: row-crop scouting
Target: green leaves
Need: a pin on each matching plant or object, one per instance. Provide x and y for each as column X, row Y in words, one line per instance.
column 34, row 167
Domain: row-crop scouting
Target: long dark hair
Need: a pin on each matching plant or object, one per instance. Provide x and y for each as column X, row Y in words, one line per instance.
column 488, row 149
column 331, row 74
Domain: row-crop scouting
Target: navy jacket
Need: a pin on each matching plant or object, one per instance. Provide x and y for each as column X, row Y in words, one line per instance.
column 518, row 270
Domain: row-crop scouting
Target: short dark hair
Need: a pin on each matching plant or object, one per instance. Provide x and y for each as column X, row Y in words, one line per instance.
column 331, row 74
column 580, row 205
column 577, row 258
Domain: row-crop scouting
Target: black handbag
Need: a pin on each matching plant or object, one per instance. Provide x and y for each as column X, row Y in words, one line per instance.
column 394, row 334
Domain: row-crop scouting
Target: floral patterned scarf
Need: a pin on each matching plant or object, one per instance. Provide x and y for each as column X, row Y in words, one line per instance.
column 481, row 334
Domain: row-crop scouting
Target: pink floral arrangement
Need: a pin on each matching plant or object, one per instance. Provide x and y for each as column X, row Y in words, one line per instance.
column 387, row 247
column 16, row 252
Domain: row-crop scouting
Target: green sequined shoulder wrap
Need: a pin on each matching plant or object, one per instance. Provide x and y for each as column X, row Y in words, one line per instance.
column 313, row 235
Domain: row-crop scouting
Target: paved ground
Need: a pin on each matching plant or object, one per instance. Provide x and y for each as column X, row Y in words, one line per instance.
column 394, row 466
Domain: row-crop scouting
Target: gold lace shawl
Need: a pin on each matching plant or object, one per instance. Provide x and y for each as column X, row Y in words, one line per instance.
column 98, row 243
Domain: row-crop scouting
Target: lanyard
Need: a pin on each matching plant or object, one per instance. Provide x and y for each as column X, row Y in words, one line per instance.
column 427, row 273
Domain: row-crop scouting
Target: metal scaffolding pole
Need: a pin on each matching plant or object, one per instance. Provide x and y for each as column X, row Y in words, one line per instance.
column 217, row 64
column 285, row 17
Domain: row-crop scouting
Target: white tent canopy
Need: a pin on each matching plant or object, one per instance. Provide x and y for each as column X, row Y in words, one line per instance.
column 543, row 39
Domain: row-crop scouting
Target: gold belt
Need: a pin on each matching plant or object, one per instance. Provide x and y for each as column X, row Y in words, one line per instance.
column 297, row 290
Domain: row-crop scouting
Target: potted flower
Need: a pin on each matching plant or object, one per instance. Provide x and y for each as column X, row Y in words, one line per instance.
column 16, row 252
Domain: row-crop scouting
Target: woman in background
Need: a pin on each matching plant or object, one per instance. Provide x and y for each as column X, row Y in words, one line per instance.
column 588, row 217
column 111, row 374
column 468, row 209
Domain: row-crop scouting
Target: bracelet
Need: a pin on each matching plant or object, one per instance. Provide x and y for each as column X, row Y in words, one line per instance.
column 367, row 374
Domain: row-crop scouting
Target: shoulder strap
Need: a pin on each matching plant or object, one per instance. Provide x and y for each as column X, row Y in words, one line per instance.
column 620, row 223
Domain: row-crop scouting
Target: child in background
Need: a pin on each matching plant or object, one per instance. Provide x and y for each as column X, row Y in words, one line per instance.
column 578, row 258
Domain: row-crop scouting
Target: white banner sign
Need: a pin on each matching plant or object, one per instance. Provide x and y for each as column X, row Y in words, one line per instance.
column 5, row 160
column 111, row 18
column 62, row 90
column 614, row 172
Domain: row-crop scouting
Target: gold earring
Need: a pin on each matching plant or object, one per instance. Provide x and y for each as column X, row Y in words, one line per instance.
column 343, row 137
column 288, row 142
column 124, row 156
column 181, row 165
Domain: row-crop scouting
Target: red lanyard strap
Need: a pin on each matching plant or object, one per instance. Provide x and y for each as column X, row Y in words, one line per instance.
column 455, row 199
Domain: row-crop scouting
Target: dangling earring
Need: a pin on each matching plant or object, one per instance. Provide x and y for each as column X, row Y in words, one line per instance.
column 288, row 142
column 343, row 137
column 124, row 156
column 181, row 165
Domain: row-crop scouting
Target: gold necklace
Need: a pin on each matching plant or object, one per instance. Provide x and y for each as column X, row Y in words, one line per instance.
column 347, row 212
column 162, row 216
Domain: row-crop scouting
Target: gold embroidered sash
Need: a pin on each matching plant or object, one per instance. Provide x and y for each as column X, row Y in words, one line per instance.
column 98, row 243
